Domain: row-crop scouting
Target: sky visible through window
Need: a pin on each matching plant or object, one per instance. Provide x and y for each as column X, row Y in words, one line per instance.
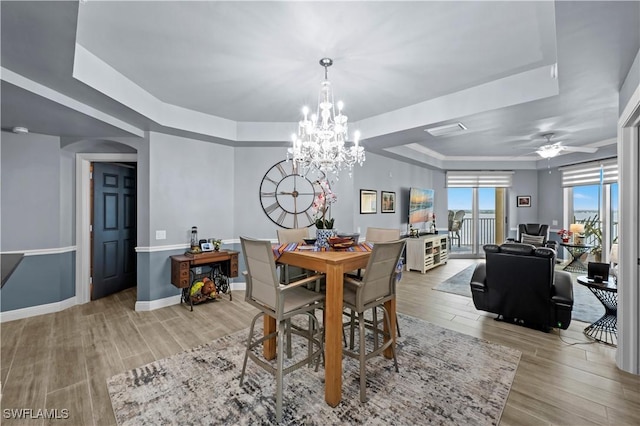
column 461, row 198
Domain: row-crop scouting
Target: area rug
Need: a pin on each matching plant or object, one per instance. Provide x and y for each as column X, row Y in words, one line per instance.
column 586, row 307
column 445, row 378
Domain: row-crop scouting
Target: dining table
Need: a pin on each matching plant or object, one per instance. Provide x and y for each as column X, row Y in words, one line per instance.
column 334, row 264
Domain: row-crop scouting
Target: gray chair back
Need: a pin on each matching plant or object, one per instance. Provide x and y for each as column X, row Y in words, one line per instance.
column 296, row 235
column 380, row 235
column 380, row 275
column 262, row 279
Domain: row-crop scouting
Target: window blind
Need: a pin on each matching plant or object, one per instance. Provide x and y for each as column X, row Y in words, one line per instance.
column 479, row 179
column 591, row 173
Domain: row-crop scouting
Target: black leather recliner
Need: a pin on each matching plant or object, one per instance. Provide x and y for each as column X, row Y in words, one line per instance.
column 518, row 282
column 535, row 229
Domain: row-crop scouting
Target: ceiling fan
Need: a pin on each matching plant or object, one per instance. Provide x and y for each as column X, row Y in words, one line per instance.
column 550, row 150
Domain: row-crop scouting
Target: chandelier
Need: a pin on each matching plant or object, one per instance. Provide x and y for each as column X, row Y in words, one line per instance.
column 320, row 141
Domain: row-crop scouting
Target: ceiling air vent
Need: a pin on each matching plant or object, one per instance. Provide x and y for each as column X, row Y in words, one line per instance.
column 447, row 129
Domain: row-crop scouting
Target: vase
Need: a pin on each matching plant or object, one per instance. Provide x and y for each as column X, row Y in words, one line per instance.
column 322, row 235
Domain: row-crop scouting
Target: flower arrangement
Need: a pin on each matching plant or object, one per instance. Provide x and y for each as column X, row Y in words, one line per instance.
column 565, row 234
column 321, row 206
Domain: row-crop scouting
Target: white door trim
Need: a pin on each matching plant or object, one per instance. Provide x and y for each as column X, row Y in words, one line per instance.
column 628, row 353
column 83, row 216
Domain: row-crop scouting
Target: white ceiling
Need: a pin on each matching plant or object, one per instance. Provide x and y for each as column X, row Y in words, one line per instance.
column 239, row 72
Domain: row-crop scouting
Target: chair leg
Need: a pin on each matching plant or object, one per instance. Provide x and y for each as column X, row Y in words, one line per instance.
column 398, row 325
column 352, row 331
column 375, row 325
column 246, row 352
column 288, row 332
column 362, row 358
column 393, row 347
column 279, row 368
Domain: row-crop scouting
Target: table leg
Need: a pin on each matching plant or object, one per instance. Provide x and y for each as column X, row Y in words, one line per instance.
column 390, row 306
column 269, row 348
column 333, row 335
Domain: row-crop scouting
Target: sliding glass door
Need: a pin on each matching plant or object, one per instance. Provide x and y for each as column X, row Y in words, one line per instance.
column 482, row 220
column 591, row 192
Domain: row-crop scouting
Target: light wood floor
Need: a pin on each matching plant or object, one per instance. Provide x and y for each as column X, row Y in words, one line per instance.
column 62, row 360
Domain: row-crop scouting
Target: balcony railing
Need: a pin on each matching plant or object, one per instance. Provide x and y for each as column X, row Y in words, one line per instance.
column 487, row 232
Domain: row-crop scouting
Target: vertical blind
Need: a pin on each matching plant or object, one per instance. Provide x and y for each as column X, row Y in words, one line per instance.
column 479, row 179
column 591, row 173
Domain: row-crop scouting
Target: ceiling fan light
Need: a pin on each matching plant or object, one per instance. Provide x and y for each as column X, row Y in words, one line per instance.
column 549, row 151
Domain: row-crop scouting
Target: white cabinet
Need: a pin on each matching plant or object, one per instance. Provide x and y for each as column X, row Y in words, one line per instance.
column 427, row 252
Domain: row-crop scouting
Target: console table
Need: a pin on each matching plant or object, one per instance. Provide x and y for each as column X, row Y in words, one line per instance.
column 606, row 328
column 427, row 252
column 219, row 266
column 576, row 251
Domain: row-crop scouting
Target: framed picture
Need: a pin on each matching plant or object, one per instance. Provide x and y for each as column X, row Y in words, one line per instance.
column 387, row 202
column 368, row 201
column 524, row 201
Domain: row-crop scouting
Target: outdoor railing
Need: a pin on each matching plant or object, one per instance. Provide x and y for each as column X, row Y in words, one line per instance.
column 487, row 232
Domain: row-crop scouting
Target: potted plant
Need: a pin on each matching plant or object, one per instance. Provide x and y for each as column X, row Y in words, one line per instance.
column 593, row 235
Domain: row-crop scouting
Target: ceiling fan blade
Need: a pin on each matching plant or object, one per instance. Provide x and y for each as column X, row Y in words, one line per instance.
column 590, row 150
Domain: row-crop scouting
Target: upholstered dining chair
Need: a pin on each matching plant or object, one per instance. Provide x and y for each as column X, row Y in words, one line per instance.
column 381, row 235
column 295, row 235
column 281, row 302
column 376, row 287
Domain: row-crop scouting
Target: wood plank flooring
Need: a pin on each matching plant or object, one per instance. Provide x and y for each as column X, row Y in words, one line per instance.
column 62, row 360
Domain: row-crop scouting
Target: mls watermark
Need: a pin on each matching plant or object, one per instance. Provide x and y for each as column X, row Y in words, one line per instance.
column 40, row 413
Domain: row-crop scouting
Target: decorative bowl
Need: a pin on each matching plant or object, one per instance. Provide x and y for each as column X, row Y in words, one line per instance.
column 309, row 241
column 340, row 242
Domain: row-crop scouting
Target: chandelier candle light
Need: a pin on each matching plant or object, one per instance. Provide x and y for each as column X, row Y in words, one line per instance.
column 320, row 141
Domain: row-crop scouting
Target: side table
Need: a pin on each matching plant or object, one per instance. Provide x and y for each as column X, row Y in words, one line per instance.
column 576, row 251
column 605, row 329
column 218, row 266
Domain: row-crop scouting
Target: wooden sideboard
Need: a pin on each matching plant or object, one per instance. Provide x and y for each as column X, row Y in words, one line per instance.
column 219, row 266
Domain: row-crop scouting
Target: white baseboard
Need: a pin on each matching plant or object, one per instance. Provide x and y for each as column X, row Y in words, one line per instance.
column 239, row 286
column 158, row 303
column 175, row 300
column 50, row 308
column 33, row 311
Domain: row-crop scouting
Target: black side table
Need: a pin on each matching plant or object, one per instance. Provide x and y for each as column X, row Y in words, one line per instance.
column 576, row 250
column 605, row 329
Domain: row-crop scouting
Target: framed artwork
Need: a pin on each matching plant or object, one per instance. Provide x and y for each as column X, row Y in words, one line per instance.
column 368, row 201
column 523, row 201
column 388, row 202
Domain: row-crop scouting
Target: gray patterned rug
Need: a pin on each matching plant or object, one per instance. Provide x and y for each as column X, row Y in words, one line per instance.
column 445, row 378
column 585, row 305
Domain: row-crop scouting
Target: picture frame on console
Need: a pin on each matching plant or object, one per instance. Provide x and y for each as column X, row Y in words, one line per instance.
column 523, row 201
column 368, row 201
column 387, row 202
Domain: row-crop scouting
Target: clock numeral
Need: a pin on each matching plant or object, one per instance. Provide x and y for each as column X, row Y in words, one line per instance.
column 281, row 218
column 267, row 194
column 281, row 169
column 309, row 218
column 273, row 207
column 295, row 221
column 271, row 180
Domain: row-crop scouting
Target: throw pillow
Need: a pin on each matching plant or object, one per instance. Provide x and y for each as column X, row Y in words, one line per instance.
column 536, row 240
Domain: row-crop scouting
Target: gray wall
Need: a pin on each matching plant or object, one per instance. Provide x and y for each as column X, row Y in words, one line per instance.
column 30, row 192
column 378, row 173
column 191, row 184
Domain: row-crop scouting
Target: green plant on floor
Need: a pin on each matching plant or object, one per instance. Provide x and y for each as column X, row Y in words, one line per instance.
column 593, row 234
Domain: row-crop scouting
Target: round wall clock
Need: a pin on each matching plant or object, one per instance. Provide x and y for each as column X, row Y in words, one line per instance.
column 287, row 194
